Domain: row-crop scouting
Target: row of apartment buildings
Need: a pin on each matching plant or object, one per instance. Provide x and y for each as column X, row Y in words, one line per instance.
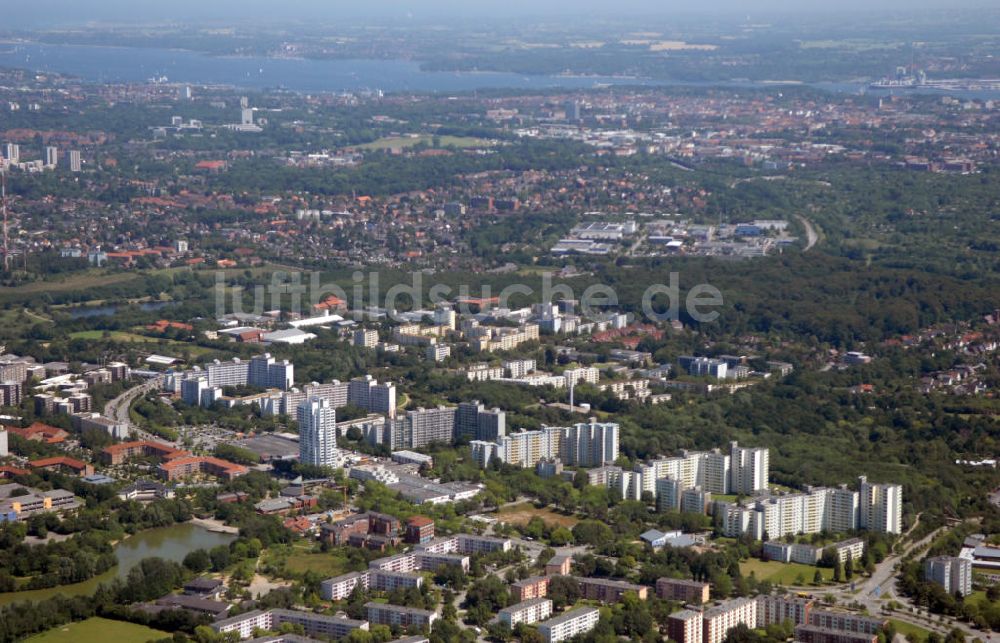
column 203, row 385
column 812, row 625
column 364, row 392
column 399, row 571
column 421, row 427
column 591, row 444
column 873, row 506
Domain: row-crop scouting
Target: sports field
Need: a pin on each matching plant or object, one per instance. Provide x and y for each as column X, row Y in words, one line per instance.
column 99, row 630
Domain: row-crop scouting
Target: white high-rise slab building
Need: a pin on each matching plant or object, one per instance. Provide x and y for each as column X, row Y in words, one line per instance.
column 749, row 469
column 318, row 433
column 51, row 156
column 13, row 153
column 881, row 507
column 590, row 444
column 952, row 573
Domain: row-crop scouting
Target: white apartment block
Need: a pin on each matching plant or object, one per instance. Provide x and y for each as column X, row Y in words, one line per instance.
column 571, row 623
column 530, row 611
column 585, row 445
column 749, row 469
column 778, row 608
column 438, row 352
column 473, row 544
column 313, row 624
column 519, row 367
column 483, row 373
column 718, row 620
column 950, row 572
column 586, row 375
column 881, row 507
column 245, row 624
column 590, row 444
column 685, row 626
column 397, row 563
column 396, row 615
column 874, row 507
column 365, row 338
column 318, row 433
column 340, row 587
column 428, row 561
column 386, row 581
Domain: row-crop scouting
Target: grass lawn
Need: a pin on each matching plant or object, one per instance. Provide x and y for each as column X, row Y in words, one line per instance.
column 116, row 335
column 327, row 565
column 162, row 343
column 410, row 141
column 98, row 630
column 74, row 281
column 782, row 573
column 524, row 512
column 908, row 629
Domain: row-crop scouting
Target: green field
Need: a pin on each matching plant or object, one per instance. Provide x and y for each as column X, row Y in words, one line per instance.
column 325, row 564
column 163, row 344
column 75, row 281
column 411, row 141
column 116, row 335
column 908, row 629
column 98, row 630
column 522, row 513
column 782, row 573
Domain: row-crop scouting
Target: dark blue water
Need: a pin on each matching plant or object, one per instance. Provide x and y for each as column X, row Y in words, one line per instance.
column 115, row 64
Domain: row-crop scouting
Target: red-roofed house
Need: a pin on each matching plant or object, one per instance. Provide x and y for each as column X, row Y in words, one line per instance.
column 63, row 464
column 184, row 467
column 39, row 432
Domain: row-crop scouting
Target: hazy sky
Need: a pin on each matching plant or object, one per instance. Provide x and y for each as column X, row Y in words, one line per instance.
column 20, row 13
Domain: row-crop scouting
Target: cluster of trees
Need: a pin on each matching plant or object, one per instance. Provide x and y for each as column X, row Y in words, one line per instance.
column 151, row 578
column 52, row 563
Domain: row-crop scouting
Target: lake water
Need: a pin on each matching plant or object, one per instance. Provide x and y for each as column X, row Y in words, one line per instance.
column 136, row 64
column 115, row 64
column 172, row 543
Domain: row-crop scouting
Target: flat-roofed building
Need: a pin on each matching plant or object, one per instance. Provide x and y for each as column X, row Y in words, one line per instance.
column 814, row 634
column 559, row 565
column 718, row 620
column 684, row 591
column 340, row 587
column 397, row 563
column 385, row 581
column 685, row 626
column 419, row 530
column 399, row 616
column 533, row 587
column 184, row 467
column 776, row 609
column 315, row 625
column 569, row 624
column 432, row 562
column 473, row 544
column 952, row 573
column 609, row 591
column 530, row 611
column 846, row 621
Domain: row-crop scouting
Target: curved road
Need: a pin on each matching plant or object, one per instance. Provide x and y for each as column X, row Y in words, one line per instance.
column 811, row 235
column 118, row 408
